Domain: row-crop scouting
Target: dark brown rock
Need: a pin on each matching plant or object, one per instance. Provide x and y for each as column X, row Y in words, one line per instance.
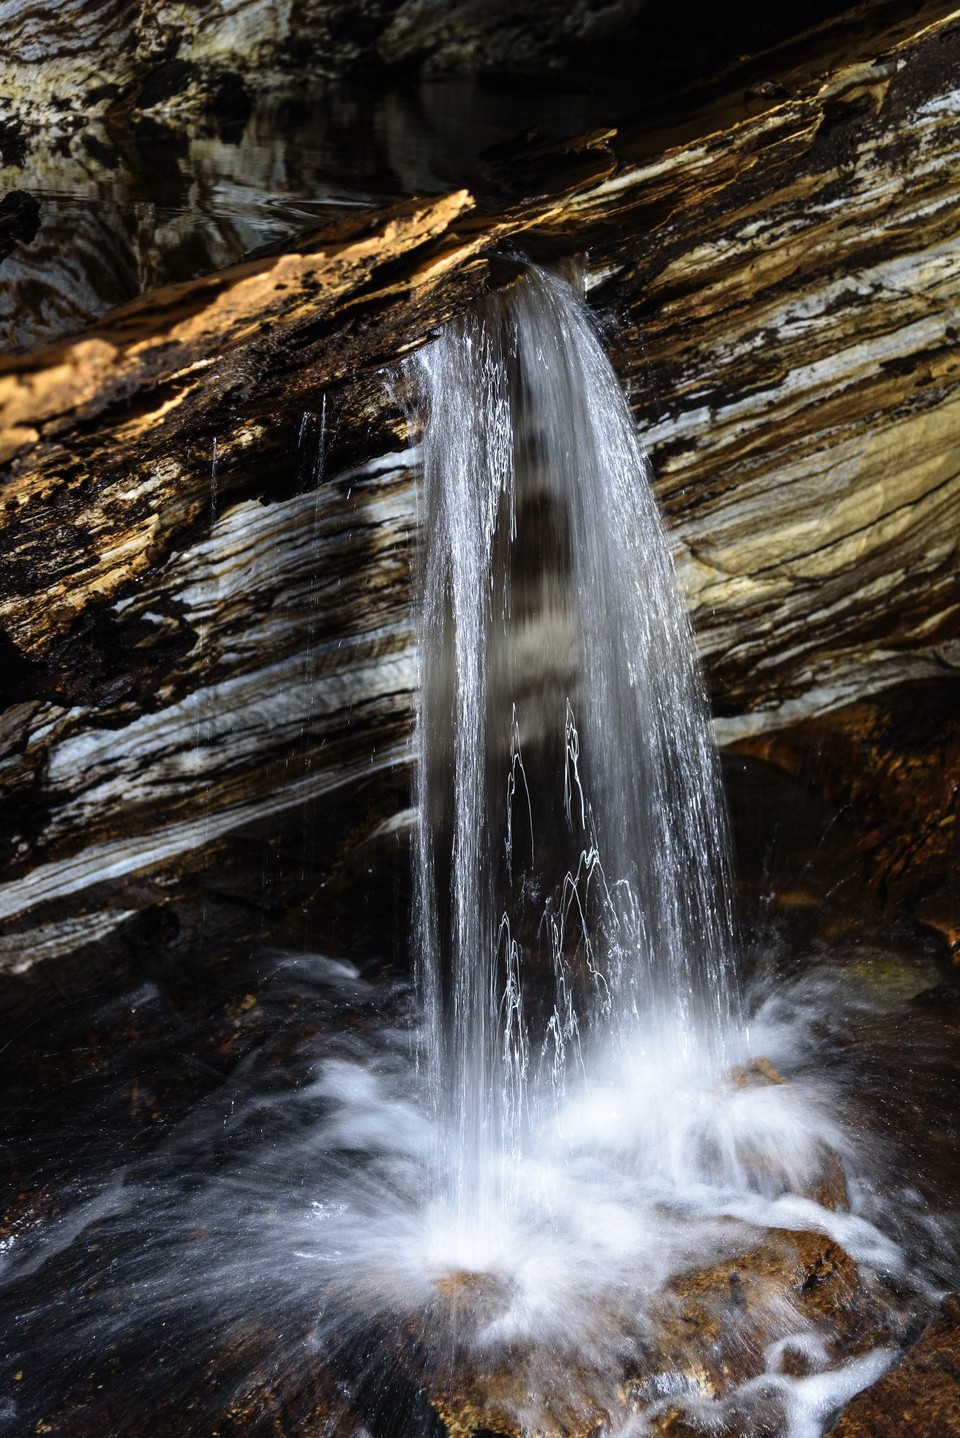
column 920, row 1395
column 891, row 765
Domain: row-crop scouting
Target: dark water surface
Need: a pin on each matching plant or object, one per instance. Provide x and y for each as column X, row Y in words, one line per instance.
column 127, row 204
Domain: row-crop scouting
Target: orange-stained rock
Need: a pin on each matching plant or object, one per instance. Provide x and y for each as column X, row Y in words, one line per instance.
column 890, row 764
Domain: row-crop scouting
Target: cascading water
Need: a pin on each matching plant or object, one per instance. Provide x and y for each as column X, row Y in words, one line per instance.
column 561, row 1187
column 569, row 811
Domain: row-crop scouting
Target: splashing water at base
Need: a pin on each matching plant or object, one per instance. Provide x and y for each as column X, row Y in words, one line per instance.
column 565, row 1185
column 672, row 1237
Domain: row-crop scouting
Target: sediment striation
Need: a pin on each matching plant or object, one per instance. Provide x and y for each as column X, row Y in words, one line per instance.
column 210, row 498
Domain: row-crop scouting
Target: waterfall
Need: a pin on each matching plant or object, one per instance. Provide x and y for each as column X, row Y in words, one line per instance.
column 571, row 857
column 557, row 1186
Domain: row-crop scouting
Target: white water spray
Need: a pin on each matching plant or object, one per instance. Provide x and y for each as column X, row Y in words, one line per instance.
column 571, row 839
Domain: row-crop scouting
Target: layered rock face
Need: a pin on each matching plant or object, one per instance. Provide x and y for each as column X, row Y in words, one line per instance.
column 790, row 354
column 208, row 666
column 91, row 54
column 164, row 57
column 210, row 499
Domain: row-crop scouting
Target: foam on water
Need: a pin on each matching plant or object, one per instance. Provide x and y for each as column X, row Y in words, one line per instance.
column 318, row 1211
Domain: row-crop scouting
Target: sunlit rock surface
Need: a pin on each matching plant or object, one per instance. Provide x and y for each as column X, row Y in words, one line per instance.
column 779, row 295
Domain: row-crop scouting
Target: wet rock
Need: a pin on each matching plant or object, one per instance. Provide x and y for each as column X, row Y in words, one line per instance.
column 829, row 1184
column 83, row 57
column 719, row 1320
column 910, row 1092
column 758, row 1070
column 703, row 1337
column 940, row 913
column 158, row 595
column 830, row 1188
column 531, row 36
column 23, row 1211
column 920, row 1395
column 19, row 220
column 239, row 1393
column 891, row 764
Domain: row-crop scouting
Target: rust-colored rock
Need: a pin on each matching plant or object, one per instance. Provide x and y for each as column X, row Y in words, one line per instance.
column 891, row 765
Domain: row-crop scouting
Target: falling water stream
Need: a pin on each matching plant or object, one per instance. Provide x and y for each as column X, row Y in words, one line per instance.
column 482, row 1196
column 569, row 816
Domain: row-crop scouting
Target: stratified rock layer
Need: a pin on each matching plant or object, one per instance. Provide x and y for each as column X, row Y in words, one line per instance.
column 82, row 57
column 210, row 499
column 88, row 55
